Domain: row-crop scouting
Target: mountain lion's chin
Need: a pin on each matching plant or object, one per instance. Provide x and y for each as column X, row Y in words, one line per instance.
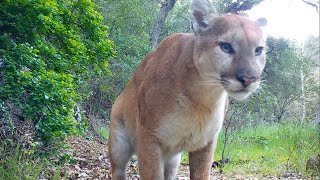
column 239, row 95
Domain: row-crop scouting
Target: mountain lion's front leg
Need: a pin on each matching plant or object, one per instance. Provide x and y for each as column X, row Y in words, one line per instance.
column 200, row 162
column 149, row 154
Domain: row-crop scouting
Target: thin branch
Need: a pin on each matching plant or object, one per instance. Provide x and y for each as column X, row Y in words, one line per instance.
column 316, row 6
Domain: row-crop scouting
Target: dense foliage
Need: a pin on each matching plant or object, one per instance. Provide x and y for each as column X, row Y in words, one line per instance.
column 49, row 49
column 129, row 25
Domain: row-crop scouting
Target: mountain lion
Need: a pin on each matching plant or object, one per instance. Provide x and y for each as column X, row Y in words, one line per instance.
column 176, row 98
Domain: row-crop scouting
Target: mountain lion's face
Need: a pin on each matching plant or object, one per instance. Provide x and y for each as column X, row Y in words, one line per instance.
column 230, row 52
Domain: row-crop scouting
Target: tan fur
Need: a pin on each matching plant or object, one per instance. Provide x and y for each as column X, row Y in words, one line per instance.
column 176, row 98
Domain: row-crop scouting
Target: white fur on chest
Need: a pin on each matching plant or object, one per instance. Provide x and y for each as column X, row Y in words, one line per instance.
column 189, row 129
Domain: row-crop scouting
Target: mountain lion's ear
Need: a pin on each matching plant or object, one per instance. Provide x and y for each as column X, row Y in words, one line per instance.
column 262, row 22
column 201, row 12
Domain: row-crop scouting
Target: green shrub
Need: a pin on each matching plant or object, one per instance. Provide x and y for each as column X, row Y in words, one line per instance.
column 49, row 49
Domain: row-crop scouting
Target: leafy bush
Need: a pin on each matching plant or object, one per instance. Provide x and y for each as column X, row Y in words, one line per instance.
column 49, row 49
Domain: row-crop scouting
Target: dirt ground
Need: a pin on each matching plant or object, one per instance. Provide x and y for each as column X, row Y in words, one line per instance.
column 92, row 163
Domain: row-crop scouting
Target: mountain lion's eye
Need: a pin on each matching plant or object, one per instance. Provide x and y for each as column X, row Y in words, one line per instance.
column 226, row 47
column 258, row 51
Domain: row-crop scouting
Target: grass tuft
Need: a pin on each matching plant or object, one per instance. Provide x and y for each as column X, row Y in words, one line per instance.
column 18, row 162
column 103, row 132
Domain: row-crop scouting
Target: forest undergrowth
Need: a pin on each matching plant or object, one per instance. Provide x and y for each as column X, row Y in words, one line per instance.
column 264, row 152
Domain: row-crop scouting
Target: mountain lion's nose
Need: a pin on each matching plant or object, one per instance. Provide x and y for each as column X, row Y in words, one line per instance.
column 246, row 80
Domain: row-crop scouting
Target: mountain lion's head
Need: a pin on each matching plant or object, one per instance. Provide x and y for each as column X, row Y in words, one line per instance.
column 229, row 49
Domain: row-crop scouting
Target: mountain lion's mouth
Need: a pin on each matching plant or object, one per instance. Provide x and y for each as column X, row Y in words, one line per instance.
column 239, row 92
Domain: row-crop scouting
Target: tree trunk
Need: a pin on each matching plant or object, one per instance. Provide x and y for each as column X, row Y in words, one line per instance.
column 166, row 6
column 303, row 102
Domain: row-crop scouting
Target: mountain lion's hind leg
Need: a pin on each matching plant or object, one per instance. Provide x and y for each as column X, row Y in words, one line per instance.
column 120, row 150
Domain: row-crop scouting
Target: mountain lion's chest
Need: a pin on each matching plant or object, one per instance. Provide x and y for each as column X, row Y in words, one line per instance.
column 191, row 127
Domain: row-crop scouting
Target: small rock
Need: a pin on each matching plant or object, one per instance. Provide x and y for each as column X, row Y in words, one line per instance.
column 83, row 174
column 313, row 163
column 77, row 167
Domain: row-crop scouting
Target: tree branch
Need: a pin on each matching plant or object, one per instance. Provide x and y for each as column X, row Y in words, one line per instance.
column 316, row 6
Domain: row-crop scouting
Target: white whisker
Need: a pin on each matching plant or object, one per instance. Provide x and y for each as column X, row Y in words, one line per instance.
column 217, row 76
column 209, row 83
